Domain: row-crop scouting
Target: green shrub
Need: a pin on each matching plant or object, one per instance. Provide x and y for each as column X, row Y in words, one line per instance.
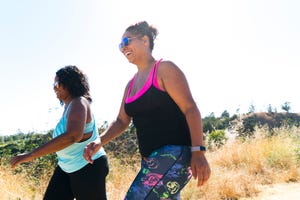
column 217, row 138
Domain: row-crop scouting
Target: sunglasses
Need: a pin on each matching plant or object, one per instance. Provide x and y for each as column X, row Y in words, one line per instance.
column 125, row 42
column 55, row 85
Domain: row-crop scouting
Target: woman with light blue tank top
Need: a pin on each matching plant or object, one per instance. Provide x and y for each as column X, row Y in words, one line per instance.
column 70, row 159
column 73, row 177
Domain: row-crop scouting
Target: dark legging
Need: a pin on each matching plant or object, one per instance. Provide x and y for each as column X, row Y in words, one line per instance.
column 163, row 174
column 87, row 183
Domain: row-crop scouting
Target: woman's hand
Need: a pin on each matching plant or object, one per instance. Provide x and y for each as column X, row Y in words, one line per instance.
column 200, row 167
column 21, row 158
column 90, row 149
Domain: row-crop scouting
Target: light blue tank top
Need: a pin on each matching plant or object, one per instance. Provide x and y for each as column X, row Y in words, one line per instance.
column 70, row 159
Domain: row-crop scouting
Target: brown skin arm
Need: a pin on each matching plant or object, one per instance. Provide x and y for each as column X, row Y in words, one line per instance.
column 76, row 121
column 173, row 81
column 115, row 129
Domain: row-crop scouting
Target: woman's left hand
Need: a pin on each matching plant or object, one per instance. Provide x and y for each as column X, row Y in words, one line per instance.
column 200, row 167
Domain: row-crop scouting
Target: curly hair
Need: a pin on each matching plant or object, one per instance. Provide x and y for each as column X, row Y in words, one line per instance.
column 143, row 28
column 75, row 81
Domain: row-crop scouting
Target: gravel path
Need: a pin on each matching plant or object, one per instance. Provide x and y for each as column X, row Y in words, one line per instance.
column 282, row 191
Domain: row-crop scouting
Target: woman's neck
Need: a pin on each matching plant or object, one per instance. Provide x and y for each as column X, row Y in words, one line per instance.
column 67, row 101
column 145, row 65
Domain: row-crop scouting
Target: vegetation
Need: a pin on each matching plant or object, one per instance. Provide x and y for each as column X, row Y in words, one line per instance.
column 245, row 152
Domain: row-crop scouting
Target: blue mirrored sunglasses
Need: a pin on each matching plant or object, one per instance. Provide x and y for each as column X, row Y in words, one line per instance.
column 125, row 42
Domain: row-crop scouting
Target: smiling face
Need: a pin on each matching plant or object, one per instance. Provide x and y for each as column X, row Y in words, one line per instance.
column 61, row 93
column 129, row 46
column 134, row 47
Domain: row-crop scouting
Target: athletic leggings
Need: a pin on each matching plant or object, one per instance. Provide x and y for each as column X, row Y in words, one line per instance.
column 163, row 174
column 87, row 183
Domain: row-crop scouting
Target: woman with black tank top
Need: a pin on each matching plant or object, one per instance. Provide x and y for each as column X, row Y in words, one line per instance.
column 168, row 123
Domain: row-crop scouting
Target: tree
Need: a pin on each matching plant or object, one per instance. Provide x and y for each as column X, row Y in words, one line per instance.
column 286, row 106
column 251, row 108
column 270, row 109
column 225, row 114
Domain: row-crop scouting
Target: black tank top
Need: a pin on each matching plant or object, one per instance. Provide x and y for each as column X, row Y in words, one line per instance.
column 157, row 119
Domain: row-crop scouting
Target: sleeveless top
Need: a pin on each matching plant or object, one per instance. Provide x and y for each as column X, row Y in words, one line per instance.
column 70, row 159
column 157, row 118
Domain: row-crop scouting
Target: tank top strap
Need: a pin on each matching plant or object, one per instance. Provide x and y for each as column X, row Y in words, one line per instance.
column 67, row 109
column 154, row 74
column 130, row 86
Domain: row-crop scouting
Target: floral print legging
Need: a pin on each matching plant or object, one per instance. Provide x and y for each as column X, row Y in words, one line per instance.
column 163, row 174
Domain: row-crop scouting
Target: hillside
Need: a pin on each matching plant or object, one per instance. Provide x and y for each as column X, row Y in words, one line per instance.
column 246, row 123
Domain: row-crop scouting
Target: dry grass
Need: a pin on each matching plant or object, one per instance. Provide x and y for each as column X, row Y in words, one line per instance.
column 239, row 169
column 120, row 177
column 18, row 187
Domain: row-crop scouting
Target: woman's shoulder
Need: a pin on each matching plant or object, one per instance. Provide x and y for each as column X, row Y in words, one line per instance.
column 166, row 63
column 167, row 66
column 80, row 101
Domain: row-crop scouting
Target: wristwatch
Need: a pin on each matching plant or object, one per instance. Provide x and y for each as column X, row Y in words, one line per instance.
column 198, row 148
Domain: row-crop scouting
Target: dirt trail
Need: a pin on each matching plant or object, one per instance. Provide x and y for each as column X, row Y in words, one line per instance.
column 282, row 191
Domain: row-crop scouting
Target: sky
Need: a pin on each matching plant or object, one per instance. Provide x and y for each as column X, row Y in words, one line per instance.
column 234, row 53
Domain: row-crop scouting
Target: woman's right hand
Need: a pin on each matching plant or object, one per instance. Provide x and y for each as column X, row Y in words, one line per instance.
column 90, row 149
column 21, row 158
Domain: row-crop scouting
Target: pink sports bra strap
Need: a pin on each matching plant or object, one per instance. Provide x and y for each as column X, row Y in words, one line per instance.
column 154, row 75
column 152, row 80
